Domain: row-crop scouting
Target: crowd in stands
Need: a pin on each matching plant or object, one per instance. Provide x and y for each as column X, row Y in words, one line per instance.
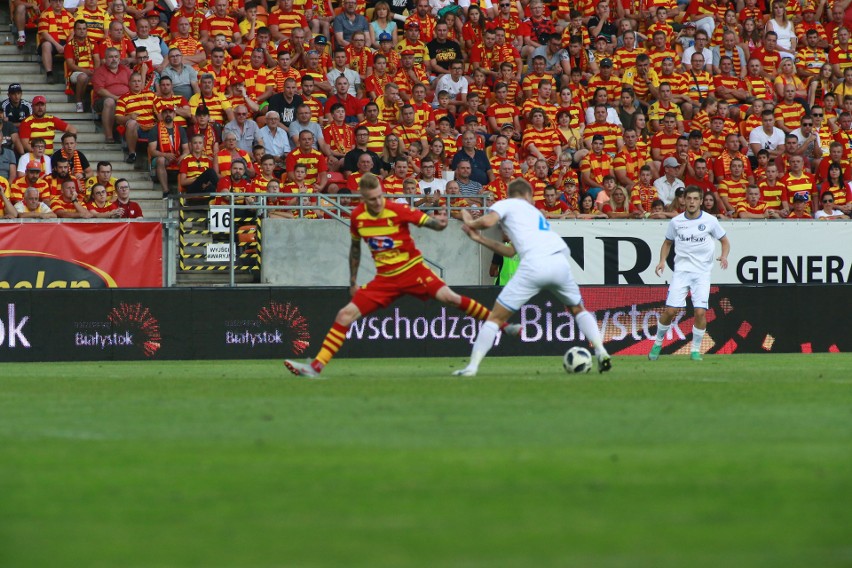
column 608, row 107
column 42, row 180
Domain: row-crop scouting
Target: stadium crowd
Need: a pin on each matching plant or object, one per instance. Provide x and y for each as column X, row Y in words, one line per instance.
column 608, row 108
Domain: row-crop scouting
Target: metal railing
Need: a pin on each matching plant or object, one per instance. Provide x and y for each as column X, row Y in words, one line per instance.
column 197, row 219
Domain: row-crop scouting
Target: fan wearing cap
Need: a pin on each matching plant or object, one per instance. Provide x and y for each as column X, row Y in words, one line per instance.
column 392, row 56
column 800, row 208
column 32, row 178
column 409, row 74
column 348, row 22
column 606, row 79
column 411, row 42
column 156, row 24
column 669, row 183
column 15, row 107
column 55, row 26
column 42, row 125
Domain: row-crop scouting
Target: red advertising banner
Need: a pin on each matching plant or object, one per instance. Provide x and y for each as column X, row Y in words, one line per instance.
column 81, row 255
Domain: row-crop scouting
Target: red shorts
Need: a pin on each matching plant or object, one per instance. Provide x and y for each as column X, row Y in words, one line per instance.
column 418, row 281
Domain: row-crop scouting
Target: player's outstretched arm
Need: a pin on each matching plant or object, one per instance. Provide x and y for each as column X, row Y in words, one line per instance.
column 488, row 220
column 354, row 263
column 726, row 248
column 502, row 249
column 664, row 254
column 437, row 221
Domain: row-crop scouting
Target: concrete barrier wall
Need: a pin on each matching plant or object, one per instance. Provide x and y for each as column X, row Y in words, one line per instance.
column 310, row 252
column 315, row 253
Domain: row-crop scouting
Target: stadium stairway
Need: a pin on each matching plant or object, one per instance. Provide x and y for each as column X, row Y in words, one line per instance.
column 24, row 67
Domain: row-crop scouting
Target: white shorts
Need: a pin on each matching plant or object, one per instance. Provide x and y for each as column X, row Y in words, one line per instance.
column 74, row 76
column 548, row 273
column 696, row 283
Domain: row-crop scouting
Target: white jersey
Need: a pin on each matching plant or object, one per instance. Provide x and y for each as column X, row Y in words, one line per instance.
column 694, row 243
column 527, row 228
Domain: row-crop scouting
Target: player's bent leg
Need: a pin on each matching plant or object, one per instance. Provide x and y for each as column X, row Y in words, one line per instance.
column 330, row 346
column 469, row 306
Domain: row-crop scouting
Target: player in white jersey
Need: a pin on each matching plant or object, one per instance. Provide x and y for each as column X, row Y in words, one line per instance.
column 544, row 266
column 694, row 234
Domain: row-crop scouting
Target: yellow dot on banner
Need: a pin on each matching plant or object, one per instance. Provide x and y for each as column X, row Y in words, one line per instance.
column 768, row 342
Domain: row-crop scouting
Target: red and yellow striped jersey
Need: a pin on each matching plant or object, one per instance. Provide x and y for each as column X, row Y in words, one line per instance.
column 140, row 103
column 734, row 190
column 59, row 25
column 545, row 140
column 610, row 132
column 314, row 161
column 388, row 237
column 217, row 105
column 44, row 128
column 226, row 26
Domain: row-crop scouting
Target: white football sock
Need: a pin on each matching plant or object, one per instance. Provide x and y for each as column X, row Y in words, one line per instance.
column 589, row 327
column 483, row 344
column 662, row 330
column 697, row 336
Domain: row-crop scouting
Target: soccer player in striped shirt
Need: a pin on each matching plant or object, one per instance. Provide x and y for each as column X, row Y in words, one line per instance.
column 384, row 226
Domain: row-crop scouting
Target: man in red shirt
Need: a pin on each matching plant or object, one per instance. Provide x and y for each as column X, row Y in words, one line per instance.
column 352, row 105
column 384, row 226
column 129, row 209
column 109, row 82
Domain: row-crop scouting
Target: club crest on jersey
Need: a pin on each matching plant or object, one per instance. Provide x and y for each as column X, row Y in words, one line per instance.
column 702, row 226
column 380, row 243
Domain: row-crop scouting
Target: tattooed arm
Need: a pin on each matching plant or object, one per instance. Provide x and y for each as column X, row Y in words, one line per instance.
column 354, row 263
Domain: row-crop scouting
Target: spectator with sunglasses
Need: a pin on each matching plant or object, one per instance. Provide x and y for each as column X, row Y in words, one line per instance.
column 828, row 211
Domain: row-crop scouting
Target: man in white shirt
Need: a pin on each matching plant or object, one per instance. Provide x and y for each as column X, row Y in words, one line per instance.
column 32, row 207
column 544, row 266
column 429, row 184
column 669, row 183
column 767, row 137
column 455, row 84
column 692, row 233
column 701, row 42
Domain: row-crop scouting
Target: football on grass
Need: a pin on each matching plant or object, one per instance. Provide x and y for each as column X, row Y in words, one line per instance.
column 577, row 360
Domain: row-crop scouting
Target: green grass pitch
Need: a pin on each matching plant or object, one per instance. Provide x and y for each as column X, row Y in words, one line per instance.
column 734, row 461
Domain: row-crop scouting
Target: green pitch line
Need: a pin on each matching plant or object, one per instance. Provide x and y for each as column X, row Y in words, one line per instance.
column 734, row 461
